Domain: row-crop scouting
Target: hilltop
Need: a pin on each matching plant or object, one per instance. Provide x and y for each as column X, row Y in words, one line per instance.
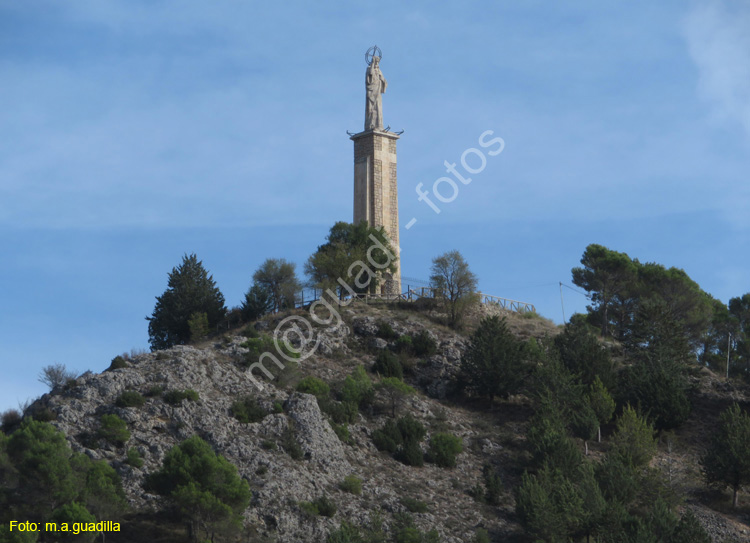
column 296, row 454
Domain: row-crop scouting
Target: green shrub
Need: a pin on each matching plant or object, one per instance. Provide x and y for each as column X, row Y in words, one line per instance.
column 351, row 484
column 71, row 513
column 190, row 395
column 264, row 343
column 395, row 392
column 250, row 331
column 406, row 532
column 340, row 412
column 290, row 445
column 411, row 429
column 342, row 431
column 404, row 345
column 443, row 449
column 287, row 350
column 32, row 537
column 410, row 454
column 407, row 362
column 492, row 484
column 154, row 390
column 326, row 508
column 321, row 506
column 43, row 414
column 117, row 363
column 285, row 375
column 423, row 344
column 412, row 432
column 357, row 388
column 175, row 397
column 71, row 384
column 11, row 419
column 387, row 364
column 414, row 506
column 481, row 536
column 690, row 529
column 261, row 471
column 268, row 444
column 133, row 458
column 316, row 387
column 277, row 407
column 114, row 430
column 346, row 533
column 256, row 346
column 388, row 438
column 309, row 508
column 247, row 410
column 130, row 398
column 385, row 331
column 477, row 492
column 401, row 439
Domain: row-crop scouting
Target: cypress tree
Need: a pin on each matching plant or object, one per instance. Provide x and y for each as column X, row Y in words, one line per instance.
column 190, row 290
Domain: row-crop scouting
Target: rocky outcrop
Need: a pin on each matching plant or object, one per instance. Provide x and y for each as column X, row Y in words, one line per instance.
column 279, row 482
column 254, row 448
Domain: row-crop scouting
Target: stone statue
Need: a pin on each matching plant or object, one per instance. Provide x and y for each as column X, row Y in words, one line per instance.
column 376, row 85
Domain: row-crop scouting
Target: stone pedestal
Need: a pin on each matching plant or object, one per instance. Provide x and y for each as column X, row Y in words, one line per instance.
column 376, row 189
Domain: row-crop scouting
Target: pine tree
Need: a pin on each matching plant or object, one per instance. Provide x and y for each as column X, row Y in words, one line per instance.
column 550, row 505
column 257, row 303
column 593, row 503
column 727, row 462
column 659, row 387
column 494, row 363
column 634, row 439
column 605, row 275
column 602, row 403
column 583, row 355
column 689, row 530
column 190, row 290
column 584, row 423
column 205, row 488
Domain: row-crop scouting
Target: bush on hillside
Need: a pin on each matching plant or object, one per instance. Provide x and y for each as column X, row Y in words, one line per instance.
column 175, row 397
column 443, row 449
column 247, row 410
column 114, row 430
column 387, row 364
column 316, row 387
column 130, row 398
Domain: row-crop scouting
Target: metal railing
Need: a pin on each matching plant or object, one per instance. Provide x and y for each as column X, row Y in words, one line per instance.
column 505, row 303
column 305, row 298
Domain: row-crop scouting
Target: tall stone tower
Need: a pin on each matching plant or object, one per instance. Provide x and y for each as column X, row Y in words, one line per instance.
column 375, row 180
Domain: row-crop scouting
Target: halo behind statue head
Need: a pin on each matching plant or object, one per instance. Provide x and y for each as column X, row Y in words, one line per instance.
column 373, row 52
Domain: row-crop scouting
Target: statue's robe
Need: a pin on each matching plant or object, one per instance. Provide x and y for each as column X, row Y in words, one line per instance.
column 376, row 85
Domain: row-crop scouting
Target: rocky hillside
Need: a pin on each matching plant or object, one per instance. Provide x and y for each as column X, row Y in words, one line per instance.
column 281, row 481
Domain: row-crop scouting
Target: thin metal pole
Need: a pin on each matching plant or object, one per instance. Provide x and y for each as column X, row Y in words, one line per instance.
column 562, row 303
column 729, row 338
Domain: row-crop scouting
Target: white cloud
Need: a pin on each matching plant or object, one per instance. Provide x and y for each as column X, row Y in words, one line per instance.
column 718, row 37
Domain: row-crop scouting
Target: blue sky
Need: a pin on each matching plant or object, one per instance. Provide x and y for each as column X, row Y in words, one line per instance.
column 133, row 132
